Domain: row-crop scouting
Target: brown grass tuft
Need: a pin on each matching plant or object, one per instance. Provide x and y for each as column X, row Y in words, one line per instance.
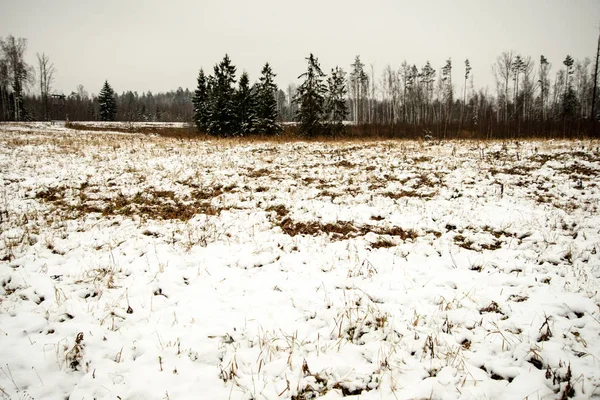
column 382, row 243
column 279, row 209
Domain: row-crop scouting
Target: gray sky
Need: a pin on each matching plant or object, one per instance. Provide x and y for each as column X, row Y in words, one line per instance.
column 159, row 45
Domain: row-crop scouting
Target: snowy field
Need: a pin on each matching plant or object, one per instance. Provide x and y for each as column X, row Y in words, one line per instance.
column 143, row 267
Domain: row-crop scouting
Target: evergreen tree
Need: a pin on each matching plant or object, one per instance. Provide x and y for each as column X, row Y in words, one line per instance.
column 108, row 104
column 201, row 103
column 267, row 103
column 245, row 101
column 310, row 96
column 222, row 119
column 569, row 98
column 335, row 104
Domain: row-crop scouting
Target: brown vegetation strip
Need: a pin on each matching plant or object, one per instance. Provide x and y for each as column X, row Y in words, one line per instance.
column 154, row 204
column 166, row 131
column 404, row 194
column 341, row 230
column 382, row 243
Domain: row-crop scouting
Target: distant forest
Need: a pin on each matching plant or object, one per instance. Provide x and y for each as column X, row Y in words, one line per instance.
column 532, row 97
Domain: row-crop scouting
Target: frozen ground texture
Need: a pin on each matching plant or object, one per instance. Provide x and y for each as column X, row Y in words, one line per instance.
column 141, row 267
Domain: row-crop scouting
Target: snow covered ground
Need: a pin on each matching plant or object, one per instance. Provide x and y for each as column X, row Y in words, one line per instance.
column 142, row 267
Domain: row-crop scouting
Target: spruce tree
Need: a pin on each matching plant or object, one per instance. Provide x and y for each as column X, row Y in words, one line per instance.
column 107, row 102
column 569, row 98
column 222, row 121
column 310, row 96
column 245, row 102
column 335, row 104
column 267, row 103
column 201, row 103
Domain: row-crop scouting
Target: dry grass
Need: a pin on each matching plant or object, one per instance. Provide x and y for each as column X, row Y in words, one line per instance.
column 512, row 170
column 341, row 230
column 180, row 193
column 257, row 173
column 577, row 169
column 344, row 164
column 156, row 204
column 289, row 134
column 461, row 241
column 401, row 194
column 382, row 242
column 493, row 307
column 188, row 132
column 280, row 209
column 468, row 244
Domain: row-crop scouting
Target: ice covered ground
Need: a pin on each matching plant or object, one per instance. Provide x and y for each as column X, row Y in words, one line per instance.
column 143, row 267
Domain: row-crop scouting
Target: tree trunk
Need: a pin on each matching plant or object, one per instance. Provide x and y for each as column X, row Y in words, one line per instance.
column 595, row 91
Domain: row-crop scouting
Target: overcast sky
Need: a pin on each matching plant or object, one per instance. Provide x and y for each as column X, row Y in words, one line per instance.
column 159, row 45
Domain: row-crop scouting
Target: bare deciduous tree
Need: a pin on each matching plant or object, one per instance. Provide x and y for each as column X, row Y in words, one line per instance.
column 544, row 83
column 502, row 70
column 447, row 93
column 358, row 82
column 464, row 103
column 46, row 70
column 583, row 88
column 18, row 72
column 4, row 84
column 82, row 94
column 595, row 91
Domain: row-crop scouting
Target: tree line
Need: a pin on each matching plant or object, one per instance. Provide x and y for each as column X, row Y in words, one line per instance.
column 26, row 94
column 224, row 110
column 530, row 97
